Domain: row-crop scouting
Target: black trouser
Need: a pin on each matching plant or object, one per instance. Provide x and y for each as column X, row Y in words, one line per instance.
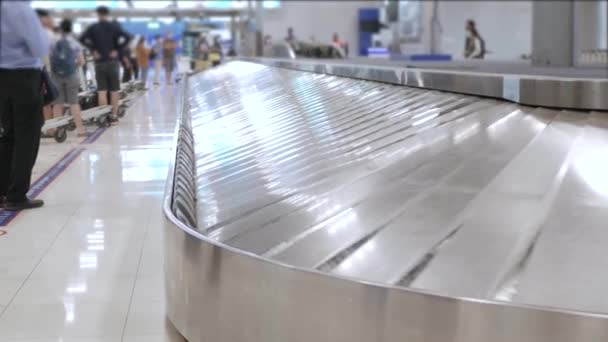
column 129, row 73
column 126, row 73
column 21, row 120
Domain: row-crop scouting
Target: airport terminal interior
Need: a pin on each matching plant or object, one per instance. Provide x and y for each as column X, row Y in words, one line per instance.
column 327, row 171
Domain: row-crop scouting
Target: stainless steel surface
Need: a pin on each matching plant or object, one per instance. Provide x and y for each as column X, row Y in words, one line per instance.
column 334, row 209
column 304, row 50
column 521, row 67
column 584, row 92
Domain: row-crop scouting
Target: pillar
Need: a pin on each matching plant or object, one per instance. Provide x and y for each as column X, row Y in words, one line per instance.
column 553, row 33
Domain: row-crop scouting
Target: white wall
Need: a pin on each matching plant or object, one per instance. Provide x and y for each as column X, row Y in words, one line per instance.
column 506, row 27
column 317, row 18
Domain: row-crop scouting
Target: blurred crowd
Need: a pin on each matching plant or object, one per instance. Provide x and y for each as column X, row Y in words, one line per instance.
column 44, row 69
column 297, row 44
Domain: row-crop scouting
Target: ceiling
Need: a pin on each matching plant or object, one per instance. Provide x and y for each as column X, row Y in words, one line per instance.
column 149, row 5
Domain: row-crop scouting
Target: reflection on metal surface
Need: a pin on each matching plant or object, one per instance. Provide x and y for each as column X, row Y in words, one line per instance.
column 592, row 167
column 319, row 199
column 551, row 91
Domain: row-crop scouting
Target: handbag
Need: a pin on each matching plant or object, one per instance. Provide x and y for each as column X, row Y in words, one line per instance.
column 50, row 92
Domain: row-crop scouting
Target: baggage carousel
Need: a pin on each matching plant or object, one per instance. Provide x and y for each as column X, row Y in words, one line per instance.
column 308, row 206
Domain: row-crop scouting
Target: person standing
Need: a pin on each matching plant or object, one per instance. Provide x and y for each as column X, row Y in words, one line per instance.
column 268, row 46
column 217, row 52
column 203, row 49
column 48, row 26
column 474, row 46
column 291, row 37
column 23, row 44
column 155, row 57
column 127, row 66
column 105, row 39
column 142, row 56
column 133, row 57
column 169, row 61
column 66, row 59
column 340, row 44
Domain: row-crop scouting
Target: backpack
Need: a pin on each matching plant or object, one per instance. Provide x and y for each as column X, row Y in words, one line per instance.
column 63, row 58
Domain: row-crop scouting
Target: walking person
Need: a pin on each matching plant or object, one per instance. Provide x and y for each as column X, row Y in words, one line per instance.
column 66, row 59
column 155, row 57
column 292, row 40
column 23, row 44
column 169, row 61
column 474, row 46
column 142, row 56
column 105, row 39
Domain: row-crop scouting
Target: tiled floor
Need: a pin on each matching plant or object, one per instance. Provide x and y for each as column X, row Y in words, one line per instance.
column 87, row 267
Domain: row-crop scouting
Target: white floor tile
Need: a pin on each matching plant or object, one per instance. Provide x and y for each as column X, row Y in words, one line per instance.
column 151, row 264
column 8, row 289
column 17, row 266
column 89, row 263
column 67, row 339
column 139, row 209
column 24, row 244
column 46, row 221
column 147, row 313
column 152, row 258
column 86, row 290
column 146, row 318
column 71, row 318
column 166, row 337
column 100, row 232
column 43, row 216
column 87, row 267
column 32, row 234
column 148, row 289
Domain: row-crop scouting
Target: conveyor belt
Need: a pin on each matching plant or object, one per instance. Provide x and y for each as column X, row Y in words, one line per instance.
column 577, row 88
column 454, row 194
column 495, row 67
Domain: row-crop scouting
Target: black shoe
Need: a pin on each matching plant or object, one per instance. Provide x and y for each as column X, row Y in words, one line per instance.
column 27, row 204
column 2, row 202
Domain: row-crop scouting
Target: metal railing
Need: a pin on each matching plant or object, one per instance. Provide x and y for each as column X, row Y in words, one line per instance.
column 218, row 293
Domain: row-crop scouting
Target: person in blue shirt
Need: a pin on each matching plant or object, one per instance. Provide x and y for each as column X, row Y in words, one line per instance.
column 23, row 44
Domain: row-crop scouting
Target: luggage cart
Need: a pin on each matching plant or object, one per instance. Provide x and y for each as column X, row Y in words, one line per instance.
column 87, row 99
column 125, row 103
column 61, row 125
column 99, row 116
